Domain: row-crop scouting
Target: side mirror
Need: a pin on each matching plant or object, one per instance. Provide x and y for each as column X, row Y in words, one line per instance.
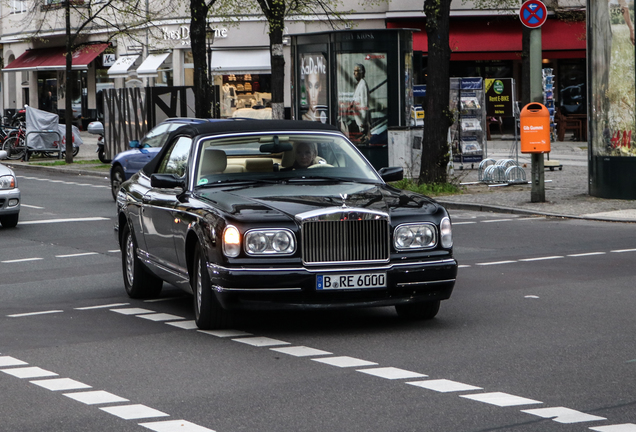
column 166, row 181
column 391, row 174
column 133, row 144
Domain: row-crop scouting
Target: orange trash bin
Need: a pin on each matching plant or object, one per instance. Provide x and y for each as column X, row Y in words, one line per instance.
column 535, row 128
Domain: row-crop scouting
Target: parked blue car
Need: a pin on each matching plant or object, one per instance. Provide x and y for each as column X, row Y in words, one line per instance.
column 128, row 162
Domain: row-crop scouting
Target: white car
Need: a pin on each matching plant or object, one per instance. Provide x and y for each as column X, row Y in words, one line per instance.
column 9, row 195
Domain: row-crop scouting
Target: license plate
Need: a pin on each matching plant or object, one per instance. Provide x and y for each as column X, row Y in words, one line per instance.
column 350, row 281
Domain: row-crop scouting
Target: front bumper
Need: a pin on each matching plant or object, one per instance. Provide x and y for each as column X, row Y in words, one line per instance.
column 5, row 197
column 295, row 287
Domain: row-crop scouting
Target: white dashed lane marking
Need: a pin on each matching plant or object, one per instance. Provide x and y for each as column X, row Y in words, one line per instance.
column 185, row 325
column 563, row 415
column 95, row 397
column 20, row 260
column 50, row 221
column 10, row 361
column 501, row 399
column 134, row 412
column 161, row 317
column 260, row 341
column 132, row 311
column 174, row 426
column 64, row 182
column 34, row 313
column 625, row 427
column 301, row 351
column 444, row 385
column 106, row 306
column 61, row 384
column 29, row 372
column 344, row 361
column 392, row 373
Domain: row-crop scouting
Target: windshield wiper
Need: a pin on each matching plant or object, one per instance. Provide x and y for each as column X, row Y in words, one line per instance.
column 317, row 178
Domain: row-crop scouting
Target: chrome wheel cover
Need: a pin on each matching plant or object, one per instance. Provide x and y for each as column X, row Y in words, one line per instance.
column 130, row 259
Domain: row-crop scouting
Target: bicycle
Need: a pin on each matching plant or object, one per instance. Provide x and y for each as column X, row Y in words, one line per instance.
column 13, row 142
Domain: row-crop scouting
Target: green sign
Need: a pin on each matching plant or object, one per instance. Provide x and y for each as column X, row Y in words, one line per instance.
column 499, row 97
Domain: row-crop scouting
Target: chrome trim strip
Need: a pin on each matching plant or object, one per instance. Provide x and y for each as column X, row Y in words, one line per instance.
column 329, row 211
column 413, row 284
column 217, row 267
column 161, row 264
column 223, row 289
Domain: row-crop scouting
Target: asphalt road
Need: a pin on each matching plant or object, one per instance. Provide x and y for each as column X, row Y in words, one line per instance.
column 538, row 336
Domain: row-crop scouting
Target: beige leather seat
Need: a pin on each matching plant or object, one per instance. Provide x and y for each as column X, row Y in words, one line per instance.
column 259, row 165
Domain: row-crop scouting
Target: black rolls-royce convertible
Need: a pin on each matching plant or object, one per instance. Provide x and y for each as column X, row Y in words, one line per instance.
column 276, row 215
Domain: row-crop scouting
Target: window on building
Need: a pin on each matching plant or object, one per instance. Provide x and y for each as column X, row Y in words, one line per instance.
column 18, row 6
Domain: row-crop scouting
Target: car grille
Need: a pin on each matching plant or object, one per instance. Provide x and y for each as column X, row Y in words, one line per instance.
column 346, row 241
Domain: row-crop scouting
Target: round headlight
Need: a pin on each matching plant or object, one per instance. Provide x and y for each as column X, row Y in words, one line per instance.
column 423, row 236
column 256, row 242
column 404, row 237
column 281, row 241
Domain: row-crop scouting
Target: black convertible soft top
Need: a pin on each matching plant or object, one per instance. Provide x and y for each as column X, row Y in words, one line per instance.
column 235, row 125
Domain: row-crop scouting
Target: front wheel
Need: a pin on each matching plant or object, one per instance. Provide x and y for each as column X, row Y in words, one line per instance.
column 418, row 311
column 138, row 281
column 208, row 313
column 9, row 221
column 14, row 146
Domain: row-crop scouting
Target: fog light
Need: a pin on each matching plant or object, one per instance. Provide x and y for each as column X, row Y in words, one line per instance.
column 13, row 202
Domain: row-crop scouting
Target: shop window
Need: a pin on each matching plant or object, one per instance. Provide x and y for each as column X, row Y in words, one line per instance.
column 188, row 68
column 572, row 87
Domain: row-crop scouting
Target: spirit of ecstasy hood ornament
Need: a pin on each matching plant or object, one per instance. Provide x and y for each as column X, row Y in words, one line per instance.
column 344, row 198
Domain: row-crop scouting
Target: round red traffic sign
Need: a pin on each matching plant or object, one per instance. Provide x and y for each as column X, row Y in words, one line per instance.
column 533, row 13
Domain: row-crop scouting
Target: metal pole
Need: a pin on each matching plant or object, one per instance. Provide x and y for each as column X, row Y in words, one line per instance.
column 537, row 194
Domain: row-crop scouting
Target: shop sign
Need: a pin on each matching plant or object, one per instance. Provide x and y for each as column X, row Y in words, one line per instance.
column 499, row 97
column 182, row 34
column 108, row 60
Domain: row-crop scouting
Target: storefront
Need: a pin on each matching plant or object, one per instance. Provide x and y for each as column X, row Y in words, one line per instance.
column 491, row 48
column 40, row 74
column 612, row 94
column 239, row 65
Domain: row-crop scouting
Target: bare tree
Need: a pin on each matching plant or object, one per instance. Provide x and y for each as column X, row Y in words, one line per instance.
column 199, row 10
column 111, row 18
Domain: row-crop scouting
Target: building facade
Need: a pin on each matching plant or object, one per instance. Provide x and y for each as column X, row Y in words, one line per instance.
column 484, row 42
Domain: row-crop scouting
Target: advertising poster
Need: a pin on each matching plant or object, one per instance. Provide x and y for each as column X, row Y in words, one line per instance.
column 313, row 90
column 499, row 97
column 612, row 95
column 363, row 97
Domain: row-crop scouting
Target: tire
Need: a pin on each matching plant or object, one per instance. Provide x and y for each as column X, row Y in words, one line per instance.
column 14, row 147
column 9, row 221
column 102, row 157
column 418, row 311
column 138, row 281
column 117, row 177
column 208, row 313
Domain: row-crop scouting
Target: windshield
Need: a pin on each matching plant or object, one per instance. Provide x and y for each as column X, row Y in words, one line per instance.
column 280, row 157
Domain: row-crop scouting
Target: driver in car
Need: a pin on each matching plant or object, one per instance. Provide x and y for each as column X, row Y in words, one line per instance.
column 305, row 155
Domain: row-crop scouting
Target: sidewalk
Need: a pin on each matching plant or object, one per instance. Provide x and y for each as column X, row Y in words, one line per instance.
column 566, row 190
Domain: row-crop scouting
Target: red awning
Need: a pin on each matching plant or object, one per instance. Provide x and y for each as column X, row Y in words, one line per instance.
column 500, row 39
column 55, row 58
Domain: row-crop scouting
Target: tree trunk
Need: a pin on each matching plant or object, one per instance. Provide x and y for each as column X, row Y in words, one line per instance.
column 68, row 101
column 198, row 24
column 276, row 27
column 435, row 149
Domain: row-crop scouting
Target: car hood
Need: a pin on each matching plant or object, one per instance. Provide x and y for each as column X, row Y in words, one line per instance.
column 267, row 202
column 5, row 170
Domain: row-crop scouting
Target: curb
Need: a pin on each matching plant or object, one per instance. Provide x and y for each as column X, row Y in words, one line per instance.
column 514, row 210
